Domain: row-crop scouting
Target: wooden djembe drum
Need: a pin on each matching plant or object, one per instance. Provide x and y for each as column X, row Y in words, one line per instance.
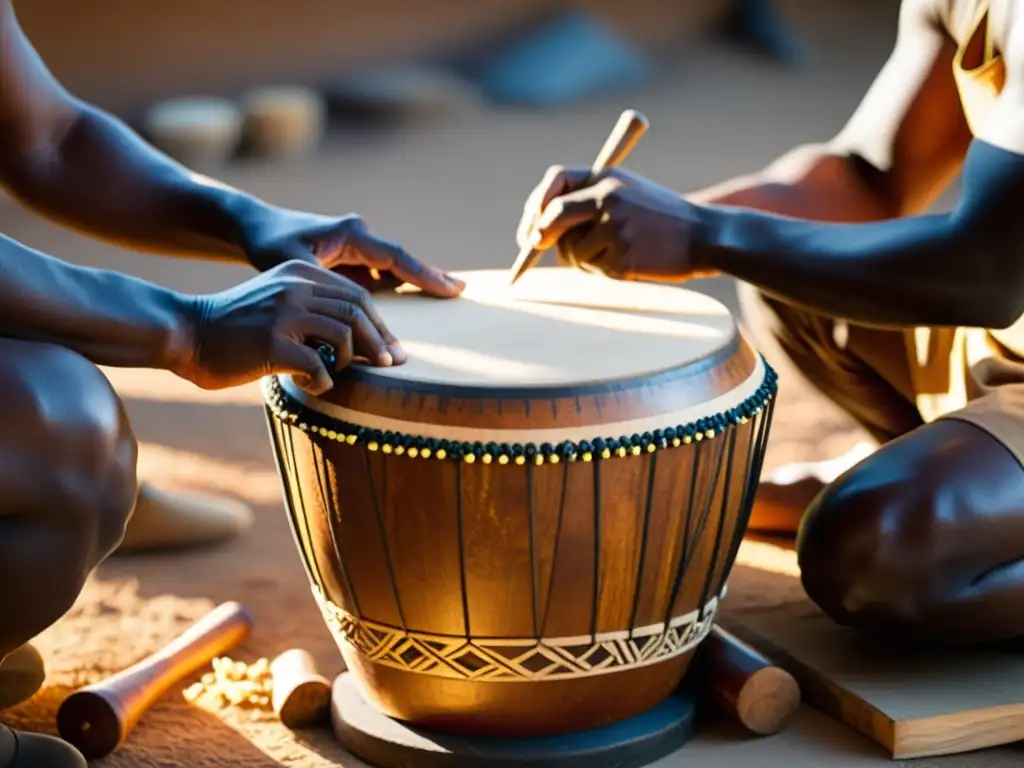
column 526, row 529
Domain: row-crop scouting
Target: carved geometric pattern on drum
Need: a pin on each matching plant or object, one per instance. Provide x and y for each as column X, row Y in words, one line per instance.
column 288, row 409
column 518, row 659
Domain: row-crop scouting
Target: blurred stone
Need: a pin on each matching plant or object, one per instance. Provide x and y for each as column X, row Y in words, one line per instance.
column 570, row 57
column 402, row 93
column 760, row 25
column 283, row 122
column 196, row 131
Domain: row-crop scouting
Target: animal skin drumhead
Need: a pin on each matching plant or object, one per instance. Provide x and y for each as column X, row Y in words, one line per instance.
column 554, row 327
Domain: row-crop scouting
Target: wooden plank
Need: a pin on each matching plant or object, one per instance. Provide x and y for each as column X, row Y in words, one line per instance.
column 912, row 703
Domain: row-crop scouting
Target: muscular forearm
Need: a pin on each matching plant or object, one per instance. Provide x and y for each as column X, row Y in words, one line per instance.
column 810, row 182
column 110, row 318
column 100, row 178
column 960, row 268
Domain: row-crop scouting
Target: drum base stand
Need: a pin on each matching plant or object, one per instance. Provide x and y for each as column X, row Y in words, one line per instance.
column 387, row 743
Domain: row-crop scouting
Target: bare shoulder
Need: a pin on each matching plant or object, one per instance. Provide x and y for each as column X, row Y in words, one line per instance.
column 913, row 93
column 931, row 17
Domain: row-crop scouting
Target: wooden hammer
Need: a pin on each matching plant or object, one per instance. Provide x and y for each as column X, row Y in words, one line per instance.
column 98, row 718
column 745, row 685
column 302, row 696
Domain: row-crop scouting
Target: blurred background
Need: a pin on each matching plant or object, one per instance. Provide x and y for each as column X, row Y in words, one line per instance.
column 433, row 120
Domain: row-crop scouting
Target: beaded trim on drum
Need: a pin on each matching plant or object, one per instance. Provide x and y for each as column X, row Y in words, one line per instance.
column 518, row 660
column 287, row 408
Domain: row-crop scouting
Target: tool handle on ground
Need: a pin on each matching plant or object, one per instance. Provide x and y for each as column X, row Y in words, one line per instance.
column 746, row 685
column 302, row 696
column 620, row 142
column 98, row 718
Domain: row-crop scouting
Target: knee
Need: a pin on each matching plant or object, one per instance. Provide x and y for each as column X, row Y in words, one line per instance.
column 868, row 551
column 78, row 449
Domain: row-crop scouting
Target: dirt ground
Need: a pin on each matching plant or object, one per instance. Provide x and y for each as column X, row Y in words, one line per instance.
column 452, row 193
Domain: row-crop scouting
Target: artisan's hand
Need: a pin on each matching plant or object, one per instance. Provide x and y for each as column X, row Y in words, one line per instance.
column 624, row 226
column 268, row 324
column 343, row 245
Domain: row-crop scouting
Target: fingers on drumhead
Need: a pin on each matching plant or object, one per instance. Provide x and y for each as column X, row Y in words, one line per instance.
column 408, row 269
column 425, row 276
column 370, row 337
column 397, row 354
column 354, row 307
column 351, row 332
column 306, row 365
column 371, row 330
column 369, row 278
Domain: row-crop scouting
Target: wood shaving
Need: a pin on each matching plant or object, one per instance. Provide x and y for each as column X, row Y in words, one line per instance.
column 234, row 684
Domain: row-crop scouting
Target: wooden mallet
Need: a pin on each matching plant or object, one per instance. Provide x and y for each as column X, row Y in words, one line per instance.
column 98, row 718
column 302, row 696
column 745, row 685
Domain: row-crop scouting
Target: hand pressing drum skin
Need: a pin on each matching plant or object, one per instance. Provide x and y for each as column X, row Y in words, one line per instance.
column 344, row 245
column 271, row 324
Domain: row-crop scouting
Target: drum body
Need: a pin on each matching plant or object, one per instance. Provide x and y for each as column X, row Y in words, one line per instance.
column 526, row 529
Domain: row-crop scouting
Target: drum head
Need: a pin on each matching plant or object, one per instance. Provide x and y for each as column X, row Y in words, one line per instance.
column 555, row 327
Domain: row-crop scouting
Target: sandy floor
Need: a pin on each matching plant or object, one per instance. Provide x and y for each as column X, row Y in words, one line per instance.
column 452, row 194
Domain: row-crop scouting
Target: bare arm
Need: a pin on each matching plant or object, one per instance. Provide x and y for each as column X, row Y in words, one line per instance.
column 899, row 151
column 876, row 259
column 109, row 318
column 961, row 268
column 83, row 168
column 834, row 227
